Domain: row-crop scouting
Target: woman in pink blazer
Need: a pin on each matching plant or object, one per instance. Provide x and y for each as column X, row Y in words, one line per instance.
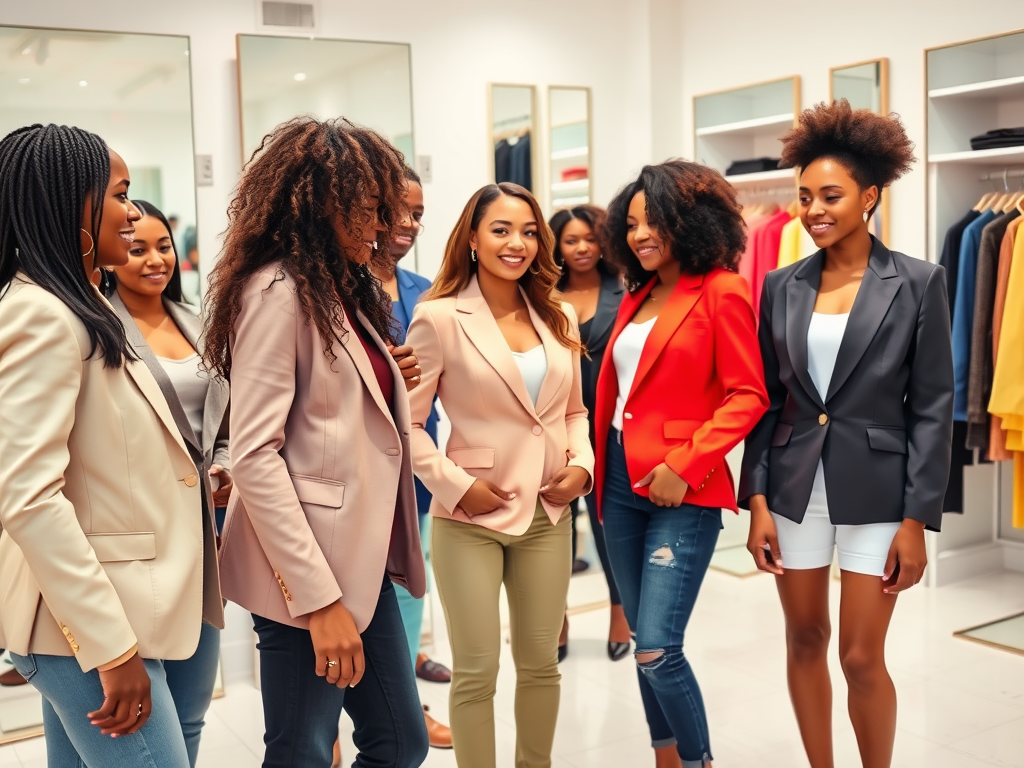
column 323, row 514
column 503, row 355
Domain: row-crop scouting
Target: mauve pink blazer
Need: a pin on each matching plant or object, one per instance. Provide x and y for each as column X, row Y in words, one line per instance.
column 324, row 500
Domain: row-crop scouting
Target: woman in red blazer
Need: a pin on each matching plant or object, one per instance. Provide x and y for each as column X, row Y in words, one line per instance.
column 682, row 385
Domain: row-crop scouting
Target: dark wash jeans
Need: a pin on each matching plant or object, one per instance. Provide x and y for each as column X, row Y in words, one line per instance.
column 301, row 711
column 659, row 556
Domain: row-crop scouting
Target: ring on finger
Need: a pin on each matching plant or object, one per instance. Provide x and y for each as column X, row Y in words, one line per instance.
column 331, row 663
column 139, row 712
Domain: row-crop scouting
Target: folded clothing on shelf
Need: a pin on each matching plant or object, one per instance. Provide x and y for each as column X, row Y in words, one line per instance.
column 576, row 173
column 755, row 165
column 998, row 139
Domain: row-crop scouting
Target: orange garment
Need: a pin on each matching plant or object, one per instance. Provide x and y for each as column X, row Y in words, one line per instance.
column 997, row 436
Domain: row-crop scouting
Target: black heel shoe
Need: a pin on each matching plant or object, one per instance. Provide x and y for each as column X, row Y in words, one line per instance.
column 563, row 651
column 616, row 651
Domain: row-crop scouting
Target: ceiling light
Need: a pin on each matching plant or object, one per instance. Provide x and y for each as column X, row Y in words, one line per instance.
column 300, row 76
column 26, row 51
column 24, row 80
column 83, row 83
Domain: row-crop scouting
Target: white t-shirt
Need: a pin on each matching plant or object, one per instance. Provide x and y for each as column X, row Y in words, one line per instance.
column 626, row 357
column 824, row 336
column 533, row 365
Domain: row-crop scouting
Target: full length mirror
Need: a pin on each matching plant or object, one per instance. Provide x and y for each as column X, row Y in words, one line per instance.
column 134, row 91
column 571, row 146
column 282, row 77
column 513, row 126
column 866, row 86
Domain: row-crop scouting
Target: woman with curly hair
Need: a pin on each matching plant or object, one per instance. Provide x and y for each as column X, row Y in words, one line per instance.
column 681, row 386
column 853, row 453
column 503, row 355
column 322, row 517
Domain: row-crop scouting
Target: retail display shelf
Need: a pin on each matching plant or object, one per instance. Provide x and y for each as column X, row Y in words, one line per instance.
column 570, row 186
column 757, row 126
column 1003, row 88
column 781, row 177
column 1013, row 155
column 568, row 154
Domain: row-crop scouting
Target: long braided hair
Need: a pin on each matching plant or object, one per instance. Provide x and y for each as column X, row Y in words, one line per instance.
column 304, row 173
column 47, row 174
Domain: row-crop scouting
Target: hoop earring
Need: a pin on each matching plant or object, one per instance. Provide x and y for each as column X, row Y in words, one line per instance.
column 472, row 254
column 92, row 243
column 533, row 271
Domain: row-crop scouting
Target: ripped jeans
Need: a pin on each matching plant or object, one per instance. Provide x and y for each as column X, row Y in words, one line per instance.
column 659, row 556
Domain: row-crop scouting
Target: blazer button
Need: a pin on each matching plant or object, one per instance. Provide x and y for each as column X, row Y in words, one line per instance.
column 392, row 451
column 191, row 480
column 627, row 415
column 537, row 430
column 823, row 419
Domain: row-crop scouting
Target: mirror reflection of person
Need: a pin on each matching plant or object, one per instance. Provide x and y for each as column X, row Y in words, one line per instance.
column 165, row 333
column 322, row 518
column 853, row 454
column 591, row 284
column 102, row 550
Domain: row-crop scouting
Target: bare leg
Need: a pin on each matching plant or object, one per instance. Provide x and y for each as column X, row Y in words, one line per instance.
column 804, row 597
column 667, row 757
column 864, row 614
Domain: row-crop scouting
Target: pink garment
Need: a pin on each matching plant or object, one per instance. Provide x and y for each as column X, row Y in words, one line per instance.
column 766, row 253
column 746, row 268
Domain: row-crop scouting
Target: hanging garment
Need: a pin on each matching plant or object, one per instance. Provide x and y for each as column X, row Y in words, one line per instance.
column 521, row 163
column 766, row 253
column 997, row 437
column 502, row 161
column 950, row 258
column 746, row 266
column 789, row 244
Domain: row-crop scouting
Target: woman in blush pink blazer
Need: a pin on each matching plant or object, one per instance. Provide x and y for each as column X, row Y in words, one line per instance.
column 503, row 355
column 323, row 513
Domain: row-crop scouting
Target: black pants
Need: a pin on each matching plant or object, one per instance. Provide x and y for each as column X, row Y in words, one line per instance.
column 602, row 549
column 301, row 711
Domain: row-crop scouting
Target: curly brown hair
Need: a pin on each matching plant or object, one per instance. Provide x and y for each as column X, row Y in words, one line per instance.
column 874, row 149
column 690, row 206
column 304, row 174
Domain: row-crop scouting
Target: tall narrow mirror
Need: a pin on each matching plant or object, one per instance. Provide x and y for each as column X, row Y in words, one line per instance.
column 866, row 86
column 570, row 144
column 513, row 133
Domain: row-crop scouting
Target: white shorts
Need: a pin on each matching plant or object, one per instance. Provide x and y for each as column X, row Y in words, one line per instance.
column 811, row 544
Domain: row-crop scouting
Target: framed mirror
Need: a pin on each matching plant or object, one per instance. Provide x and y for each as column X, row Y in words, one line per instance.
column 866, row 86
column 570, row 142
column 513, row 127
column 133, row 90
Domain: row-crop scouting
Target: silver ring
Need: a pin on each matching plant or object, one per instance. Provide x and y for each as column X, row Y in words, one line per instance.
column 331, row 664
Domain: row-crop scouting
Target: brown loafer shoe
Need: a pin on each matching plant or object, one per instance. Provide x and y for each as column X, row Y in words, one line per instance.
column 11, row 678
column 439, row 736
column 431, row 671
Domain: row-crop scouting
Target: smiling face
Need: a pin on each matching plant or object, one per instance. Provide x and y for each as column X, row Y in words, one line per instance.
column 506, row 240
column 405, row 232
column 117, row 227
column 578, row 246
column 357, row 233
column 649, row 246
column 832, row 204
column 151, row 260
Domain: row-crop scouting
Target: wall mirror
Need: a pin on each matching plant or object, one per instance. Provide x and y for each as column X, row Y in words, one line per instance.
column 133, row 90
column 866, row 86
column 513, row 125
column 570, row 143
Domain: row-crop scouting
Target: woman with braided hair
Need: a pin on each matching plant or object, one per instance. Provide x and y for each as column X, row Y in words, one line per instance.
column 322, row 517
column 853, row 453
column 101, row 555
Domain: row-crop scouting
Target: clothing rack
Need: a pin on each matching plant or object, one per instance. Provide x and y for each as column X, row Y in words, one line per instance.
column 788, row 192
column 1006, row 174
column 513, row 121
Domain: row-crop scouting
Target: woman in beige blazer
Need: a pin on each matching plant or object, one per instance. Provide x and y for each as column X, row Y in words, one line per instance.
column 323, row 514
column 101, row 555
column 503, row 355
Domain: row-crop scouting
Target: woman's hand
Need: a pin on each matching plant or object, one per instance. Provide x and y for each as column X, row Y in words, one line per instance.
column 408, row 364
column 482, row 497
column 226, row 483
column 336, row 639
column 667, row 489
column 907, row 558
column 565, row 485
column 763, row 537
column 126, row 699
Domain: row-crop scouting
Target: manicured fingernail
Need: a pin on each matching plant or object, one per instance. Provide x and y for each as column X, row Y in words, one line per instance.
column 511, row 495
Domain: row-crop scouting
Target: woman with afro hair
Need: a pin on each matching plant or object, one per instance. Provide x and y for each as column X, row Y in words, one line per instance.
column 853, row 453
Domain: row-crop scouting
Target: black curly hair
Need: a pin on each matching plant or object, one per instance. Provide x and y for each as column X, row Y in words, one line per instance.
column 692, row 208
column 874, row 149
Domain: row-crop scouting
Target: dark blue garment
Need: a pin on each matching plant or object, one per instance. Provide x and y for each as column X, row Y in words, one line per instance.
column 659, row 556
column 963, row 311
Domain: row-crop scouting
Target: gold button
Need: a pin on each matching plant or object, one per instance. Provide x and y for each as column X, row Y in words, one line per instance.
column 191, row 480
column 823, row 419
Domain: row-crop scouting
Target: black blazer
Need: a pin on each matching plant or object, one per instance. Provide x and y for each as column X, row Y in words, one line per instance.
column 597, row 340
column 884, row 430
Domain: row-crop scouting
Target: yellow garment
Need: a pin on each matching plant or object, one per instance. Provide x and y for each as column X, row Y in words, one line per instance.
column 789, row 247
column 1007, row 399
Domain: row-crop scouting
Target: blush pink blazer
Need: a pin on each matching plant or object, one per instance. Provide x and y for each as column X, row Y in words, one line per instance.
column 497, row 433
column 324, row 500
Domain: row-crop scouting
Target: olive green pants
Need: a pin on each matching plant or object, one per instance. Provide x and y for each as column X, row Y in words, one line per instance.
column 470, row 565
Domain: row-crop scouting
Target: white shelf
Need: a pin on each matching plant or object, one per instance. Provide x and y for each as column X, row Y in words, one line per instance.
column 1007, row 87
column 570, row 186
column 763, row 126
column 982, row 156
column 569, row 202
column 568, row 154
column 778, row 178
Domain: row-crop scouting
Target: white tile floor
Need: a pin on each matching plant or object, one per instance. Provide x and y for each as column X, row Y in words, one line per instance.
column 961, row 703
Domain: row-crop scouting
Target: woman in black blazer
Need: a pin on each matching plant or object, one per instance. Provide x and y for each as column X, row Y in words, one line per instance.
column 593, row 288
column 853, row 453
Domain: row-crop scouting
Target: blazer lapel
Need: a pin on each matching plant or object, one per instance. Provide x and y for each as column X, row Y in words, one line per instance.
column 607, row 307
column 801, row 293
column 407, row 298
column 354, row 347
column 877, row 290
column 680, row 302
column 559, row 360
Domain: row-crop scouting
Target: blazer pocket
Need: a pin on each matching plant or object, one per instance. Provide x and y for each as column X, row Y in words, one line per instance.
column 782, row 434
column 122, row 547
column 315, row 490
column 891, row 439
column 473, row 458
column 681, row 429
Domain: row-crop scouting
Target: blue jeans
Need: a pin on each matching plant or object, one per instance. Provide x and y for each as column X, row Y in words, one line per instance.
column 412, row 607
column 191, row 684
column 659, row 556
column 71, row 742
column 301, row 710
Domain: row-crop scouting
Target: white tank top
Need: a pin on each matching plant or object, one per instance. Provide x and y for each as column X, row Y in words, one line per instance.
column 533, row 365
column 824, row 337
column 626, row 356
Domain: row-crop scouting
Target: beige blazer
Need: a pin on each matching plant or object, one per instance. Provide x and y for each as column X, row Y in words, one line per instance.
column 102, row 544
column 497, row 433
column 324, row 500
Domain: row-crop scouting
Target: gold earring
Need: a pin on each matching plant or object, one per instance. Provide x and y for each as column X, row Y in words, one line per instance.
column 92, row 243
column 472, row 253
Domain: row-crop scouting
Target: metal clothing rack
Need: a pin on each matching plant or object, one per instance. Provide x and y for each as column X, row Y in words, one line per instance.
column 1005, row 175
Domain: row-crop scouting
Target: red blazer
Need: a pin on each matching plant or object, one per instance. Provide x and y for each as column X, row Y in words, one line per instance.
column 698, row 391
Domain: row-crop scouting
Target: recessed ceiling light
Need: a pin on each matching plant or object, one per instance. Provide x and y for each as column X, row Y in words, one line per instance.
column 83, row 83
column 24, row 80
column 300, row 76
column 26, row 51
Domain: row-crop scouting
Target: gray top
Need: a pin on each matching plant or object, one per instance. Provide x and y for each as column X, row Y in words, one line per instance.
column 192, row 384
